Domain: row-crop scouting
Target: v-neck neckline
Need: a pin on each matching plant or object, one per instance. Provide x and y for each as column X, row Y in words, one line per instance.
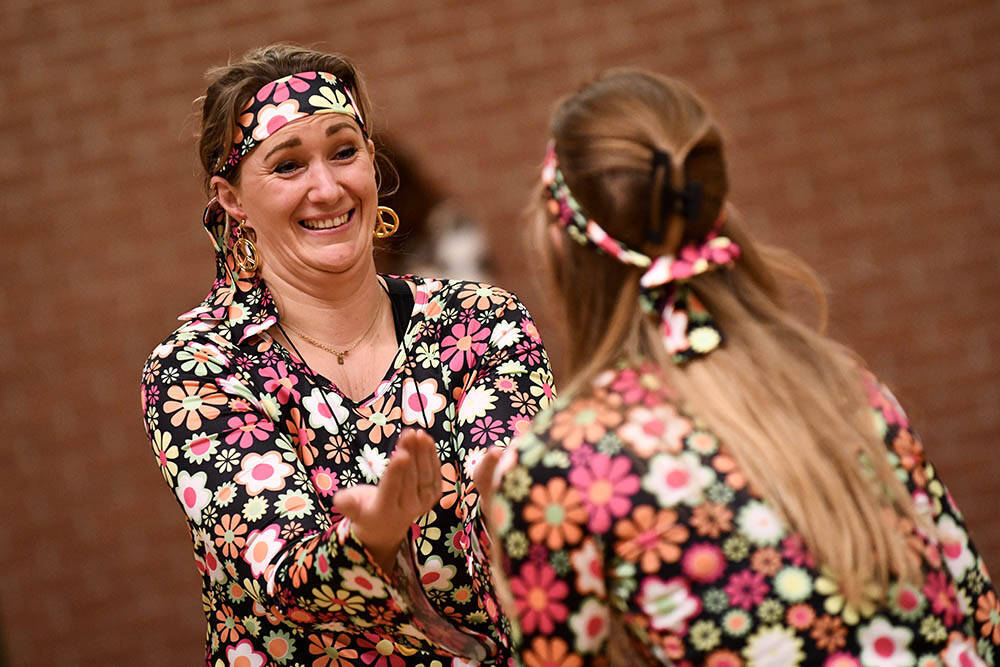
column 395, row 367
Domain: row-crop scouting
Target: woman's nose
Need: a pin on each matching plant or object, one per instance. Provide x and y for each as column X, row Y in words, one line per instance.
column 324, row 183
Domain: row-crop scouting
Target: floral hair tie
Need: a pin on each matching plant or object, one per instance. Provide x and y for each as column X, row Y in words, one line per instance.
column 687, row 328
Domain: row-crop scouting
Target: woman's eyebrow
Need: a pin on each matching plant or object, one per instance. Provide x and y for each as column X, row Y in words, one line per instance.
column 294, row 141
column 337, row 127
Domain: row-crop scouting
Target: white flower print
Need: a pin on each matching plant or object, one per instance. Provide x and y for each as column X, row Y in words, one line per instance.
column 421, row 402
column 262, row 546
column 358, row 579
column 677, row 479
column 262, row 472
column 588, row 565
column 669, row 604
column 505, row 334
column 192, row 493
column 590, row 626
column 955, row 546
column 885, row 645
column 435, row 575
column 774, row 645
column 372, row 463
column 760, row 524
column 319, row 408
column 476, row 403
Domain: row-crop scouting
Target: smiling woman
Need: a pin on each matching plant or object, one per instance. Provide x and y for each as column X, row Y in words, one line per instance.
column 318, row 422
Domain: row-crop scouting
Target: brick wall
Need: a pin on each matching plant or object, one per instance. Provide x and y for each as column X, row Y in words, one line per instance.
column 861, row 135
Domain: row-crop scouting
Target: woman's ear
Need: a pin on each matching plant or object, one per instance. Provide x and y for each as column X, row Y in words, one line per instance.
column 556, row 239
column 228, row 196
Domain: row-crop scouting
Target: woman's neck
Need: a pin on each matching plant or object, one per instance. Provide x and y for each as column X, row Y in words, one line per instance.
column 334, row 309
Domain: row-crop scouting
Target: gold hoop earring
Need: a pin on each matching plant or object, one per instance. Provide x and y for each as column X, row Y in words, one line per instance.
column 383, row 229
column 244, row 251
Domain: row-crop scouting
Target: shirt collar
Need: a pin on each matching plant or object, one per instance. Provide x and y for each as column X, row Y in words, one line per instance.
column 238, row 298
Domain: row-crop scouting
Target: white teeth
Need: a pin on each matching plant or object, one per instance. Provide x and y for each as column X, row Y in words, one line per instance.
column 326, row 223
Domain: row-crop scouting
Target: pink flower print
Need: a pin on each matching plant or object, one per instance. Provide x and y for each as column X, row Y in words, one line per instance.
column 793, row 549
column 519, row 424
column 747, row 589
column 379, row 652
column 605, row 485
column 246, row 429
column 528, row 353
column 538, row 595
column 633, row 388
column 325, row 481
column 486, row 430
column 941, row 594
column 465, row 342
column 281, row 381
column 297, row 82
column 531, row 329
column 720, row 250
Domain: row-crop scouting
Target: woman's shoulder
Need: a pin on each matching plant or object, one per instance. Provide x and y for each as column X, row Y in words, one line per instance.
column 467, row 292
column 198, row 343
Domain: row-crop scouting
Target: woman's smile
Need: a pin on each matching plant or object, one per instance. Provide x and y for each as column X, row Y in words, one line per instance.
column 327, row 223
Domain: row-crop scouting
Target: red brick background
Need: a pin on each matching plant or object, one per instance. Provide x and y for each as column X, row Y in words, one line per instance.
column 862, row 135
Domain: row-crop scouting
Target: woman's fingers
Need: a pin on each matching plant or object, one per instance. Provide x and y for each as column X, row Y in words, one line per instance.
column 484, row 474
column 427, row 486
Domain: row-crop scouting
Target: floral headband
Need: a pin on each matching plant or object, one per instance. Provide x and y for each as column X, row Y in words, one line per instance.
column 687, row 328
column 285, row 100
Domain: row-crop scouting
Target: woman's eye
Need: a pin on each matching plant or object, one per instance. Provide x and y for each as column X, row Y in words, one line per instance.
column 285, row 167
column 346, row 153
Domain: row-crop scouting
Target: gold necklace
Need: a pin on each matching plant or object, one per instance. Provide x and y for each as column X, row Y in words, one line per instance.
column 340, row 354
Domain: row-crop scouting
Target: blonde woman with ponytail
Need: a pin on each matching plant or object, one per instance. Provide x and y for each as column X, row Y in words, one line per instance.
column 719, row 483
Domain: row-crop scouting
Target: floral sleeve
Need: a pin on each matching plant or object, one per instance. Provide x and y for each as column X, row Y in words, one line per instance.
column 555, row 543
column 260, row 527
column 949, row 544
column 498, row 374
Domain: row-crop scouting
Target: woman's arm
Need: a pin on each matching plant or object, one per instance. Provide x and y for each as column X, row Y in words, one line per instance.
column 254, row 512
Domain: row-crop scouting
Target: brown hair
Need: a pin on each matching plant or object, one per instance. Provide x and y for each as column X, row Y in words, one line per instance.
column 231, row 86
column 788, row 402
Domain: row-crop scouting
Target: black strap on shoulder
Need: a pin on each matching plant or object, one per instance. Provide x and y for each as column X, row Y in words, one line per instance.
column 401, row 299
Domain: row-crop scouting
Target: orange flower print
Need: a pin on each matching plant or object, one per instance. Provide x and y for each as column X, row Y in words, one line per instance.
column 230, row 532
column 193, row 401
column 380, row 418
column 583, row 421
column 481, row 295
column 545, row 652
column 988, row 613
column 555, row 513
column 829, row 633
column 726, row 465
column 332, row 652
column 909, row 450
column 711, row 520
column 650, row 537
column 229, row 627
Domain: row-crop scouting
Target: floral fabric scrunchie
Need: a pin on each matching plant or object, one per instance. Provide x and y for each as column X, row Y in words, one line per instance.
column 687, row 327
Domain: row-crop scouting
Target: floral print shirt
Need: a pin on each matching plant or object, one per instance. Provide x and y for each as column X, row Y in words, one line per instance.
column 628, row 531
column 254, row 445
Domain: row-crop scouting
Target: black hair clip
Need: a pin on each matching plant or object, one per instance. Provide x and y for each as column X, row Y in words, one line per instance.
column 685, row 202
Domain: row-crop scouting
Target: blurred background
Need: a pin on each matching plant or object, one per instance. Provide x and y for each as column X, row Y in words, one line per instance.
column 863, row 134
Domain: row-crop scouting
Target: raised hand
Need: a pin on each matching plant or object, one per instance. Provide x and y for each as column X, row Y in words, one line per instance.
column 410, row 487
column 483, row 477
